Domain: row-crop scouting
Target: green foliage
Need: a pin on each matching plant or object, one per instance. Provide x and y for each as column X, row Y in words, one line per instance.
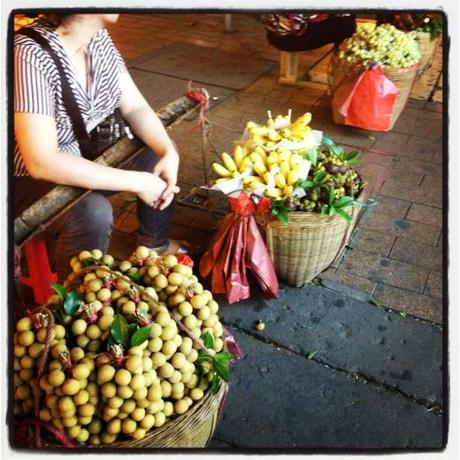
column 128, row 334
column 279, row 210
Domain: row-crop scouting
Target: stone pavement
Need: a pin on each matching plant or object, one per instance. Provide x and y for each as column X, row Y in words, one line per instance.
column 355, row 358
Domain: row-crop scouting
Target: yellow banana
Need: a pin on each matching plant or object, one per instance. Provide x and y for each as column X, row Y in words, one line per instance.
column 273, row 192
column 284, row 155
column 272, row 159
column 238, row 154
column 273, row 135
column 270, row 144
column 258, row 140
column 228, row 162
column 236, row 174
column 287, row 191
column 293, row 177
column 284, row 168
column 269, row 179
column 280, row 180
column 257, row 184
column 261, row 152
column 258, row 131
column 286, row 133
column 244, row 164
column 295, row 159
column 256, row 158
column 220, row 180
column 249, row 179
column 220, row 170
column 259, row 168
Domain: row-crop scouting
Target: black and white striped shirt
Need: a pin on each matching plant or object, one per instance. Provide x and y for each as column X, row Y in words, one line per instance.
column 37, row 86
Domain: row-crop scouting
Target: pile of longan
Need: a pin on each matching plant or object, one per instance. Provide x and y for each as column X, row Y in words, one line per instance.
column 97, row 391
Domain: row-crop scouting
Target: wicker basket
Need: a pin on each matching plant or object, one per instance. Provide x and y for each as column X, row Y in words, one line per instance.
column 342, row 72
column 193, row 429
column 427, row 48
column 308, row 244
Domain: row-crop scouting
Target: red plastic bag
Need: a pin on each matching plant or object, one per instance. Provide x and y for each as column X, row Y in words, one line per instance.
column 236, row 248
column 367, row 101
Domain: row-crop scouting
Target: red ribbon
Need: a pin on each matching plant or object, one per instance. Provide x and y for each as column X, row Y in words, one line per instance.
column 199, row 95
column 21, row 432
column 184, row 259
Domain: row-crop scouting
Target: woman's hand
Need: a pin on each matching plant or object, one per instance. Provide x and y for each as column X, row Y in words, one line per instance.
column 167, row 168
column 150, row 189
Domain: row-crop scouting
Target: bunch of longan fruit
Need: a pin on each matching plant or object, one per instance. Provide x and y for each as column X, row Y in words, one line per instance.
column 97, row 390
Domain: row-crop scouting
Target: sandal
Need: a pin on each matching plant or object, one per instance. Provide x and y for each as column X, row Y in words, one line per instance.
column 174, row 247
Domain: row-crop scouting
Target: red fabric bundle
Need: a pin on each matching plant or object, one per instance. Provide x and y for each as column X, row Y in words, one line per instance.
column 367, row 101
column 237, row 247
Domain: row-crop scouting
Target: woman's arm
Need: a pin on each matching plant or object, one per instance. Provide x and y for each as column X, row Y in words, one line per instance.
column 149, row 128
column 37, row 140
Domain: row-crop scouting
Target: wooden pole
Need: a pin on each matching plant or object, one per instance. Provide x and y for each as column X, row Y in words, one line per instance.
column 61, row 198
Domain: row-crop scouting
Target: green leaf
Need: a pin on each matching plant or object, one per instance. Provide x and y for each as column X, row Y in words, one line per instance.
column 344, row 214
column 110, row 342
column 350, row 155
column 202, row 356
column 332, row 211
column 224, row 357
column 319, row 177
column 343, row 202
column 72, row 302
column 88, row 262
column 306, row 184
column 208, row 340
column 313, row 157
column 283, row 216
column 215, row 384
column 336, row 150
column 355, row 162
column 135, row 276
column 140, row 336
column 324, row 210
column 222, row 370
column 119, row 330
column 331, row 197
column 403, row 313
column 59, row 289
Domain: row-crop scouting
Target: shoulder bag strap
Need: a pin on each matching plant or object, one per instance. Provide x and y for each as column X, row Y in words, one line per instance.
column 70, row 103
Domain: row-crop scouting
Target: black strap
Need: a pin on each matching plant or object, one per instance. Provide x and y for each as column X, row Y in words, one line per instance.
column 70, row 103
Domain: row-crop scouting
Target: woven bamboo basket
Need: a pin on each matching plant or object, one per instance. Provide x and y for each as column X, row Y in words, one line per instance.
column 343, row 72
column 427, row 48
column 308, row 244
column 194, row 429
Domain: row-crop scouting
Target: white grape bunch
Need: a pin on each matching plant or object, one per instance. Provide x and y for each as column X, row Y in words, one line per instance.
column 384, row 44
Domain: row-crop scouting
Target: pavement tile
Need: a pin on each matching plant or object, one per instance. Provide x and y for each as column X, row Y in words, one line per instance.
column 266, row 408
column 421, row 123
column 372, row 241
column 433, row 106
column 413, row 187
column 403, row 166
column 160, row 90
column 384, row 270
column 391, row 143
column 347, row 283
column 184, row 60
column 395, row 225
column 425, row 214
column 416, row 253
column 390, row 206
column 424, row 149
column 331, row 410
column 349, row 334
column 434, row 285
column 422, row 306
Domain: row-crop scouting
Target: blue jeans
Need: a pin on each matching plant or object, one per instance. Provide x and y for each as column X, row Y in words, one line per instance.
column 88, row 224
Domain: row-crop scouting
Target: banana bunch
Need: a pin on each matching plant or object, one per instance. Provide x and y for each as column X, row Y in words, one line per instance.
column 268, row 135
column 263, row 166
column 275, row 173
column 232, row 167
